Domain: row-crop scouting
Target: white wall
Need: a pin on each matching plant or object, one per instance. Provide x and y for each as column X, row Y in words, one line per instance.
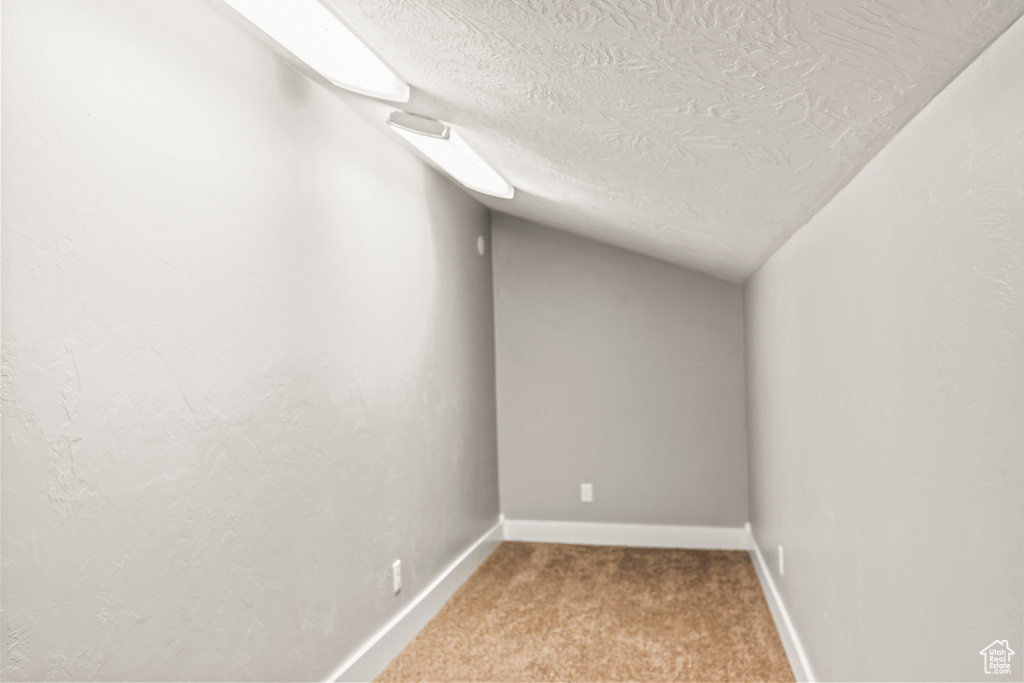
column 617, row 370
column 247, row 355
column 886, row 396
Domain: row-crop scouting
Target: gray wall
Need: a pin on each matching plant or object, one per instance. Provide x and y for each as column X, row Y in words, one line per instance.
column 618, row 370
column 247, row 355
column 886, row 384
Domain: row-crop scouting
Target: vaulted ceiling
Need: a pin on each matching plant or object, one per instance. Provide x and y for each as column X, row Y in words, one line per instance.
column 701, row 132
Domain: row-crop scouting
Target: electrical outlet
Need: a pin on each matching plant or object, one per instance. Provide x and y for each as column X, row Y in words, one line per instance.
column 782, row 564
column 396, row 575
column 586, row 493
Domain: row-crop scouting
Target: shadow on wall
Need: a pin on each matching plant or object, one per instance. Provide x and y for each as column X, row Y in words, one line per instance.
column 293, row 87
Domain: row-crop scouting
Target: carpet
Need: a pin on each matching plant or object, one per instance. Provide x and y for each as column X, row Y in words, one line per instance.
column 553, row 612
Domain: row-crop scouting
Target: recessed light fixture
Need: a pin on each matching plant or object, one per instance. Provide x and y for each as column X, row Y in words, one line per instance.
column 313, row 33
column 446, row 148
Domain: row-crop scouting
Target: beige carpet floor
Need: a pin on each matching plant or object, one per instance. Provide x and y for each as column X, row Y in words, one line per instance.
column 551, row 612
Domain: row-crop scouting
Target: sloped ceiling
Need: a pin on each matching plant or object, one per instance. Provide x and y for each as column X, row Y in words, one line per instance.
column 702, row 132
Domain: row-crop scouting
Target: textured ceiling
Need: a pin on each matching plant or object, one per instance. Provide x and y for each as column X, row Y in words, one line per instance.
column 702, row 132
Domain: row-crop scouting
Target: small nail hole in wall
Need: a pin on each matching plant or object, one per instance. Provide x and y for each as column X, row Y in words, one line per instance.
column 481, row 246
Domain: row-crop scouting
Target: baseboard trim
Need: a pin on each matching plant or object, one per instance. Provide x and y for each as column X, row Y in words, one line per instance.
column 790, row 640
column 371, row 658
column 637, row 535
column 375, row 654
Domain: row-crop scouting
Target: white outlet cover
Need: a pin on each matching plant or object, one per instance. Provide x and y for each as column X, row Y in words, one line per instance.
column 782, row 565
column 586, row 493
column 481, row 245
column 396, row 575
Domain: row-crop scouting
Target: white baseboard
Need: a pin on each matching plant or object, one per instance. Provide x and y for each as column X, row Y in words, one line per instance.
column 790, row 640
column 375, row 654
column 371, row 658
column 637, row 535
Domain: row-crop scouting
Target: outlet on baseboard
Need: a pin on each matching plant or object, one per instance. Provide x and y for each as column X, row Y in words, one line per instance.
column 782, row 564
column 586, row 493
column 396, row 575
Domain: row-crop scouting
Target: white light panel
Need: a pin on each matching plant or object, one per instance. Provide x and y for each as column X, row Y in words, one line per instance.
column 311, row 32
column 452, row 154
